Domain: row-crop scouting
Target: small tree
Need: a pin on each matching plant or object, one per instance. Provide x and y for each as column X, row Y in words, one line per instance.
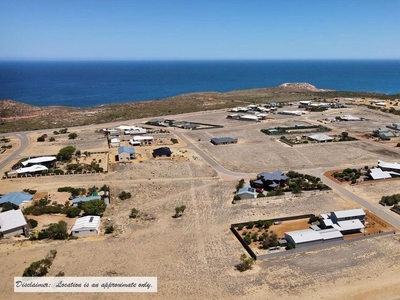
column 65, row 154
column 246, row 263
column 250, row 225
column 344, row 135
column 247, row 239
column 109, row 229
column 240, row 184
column 179, row 211
column 134, row 213
column 57, row 231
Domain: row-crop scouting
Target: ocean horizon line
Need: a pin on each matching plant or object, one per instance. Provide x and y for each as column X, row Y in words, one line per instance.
column 204, row 60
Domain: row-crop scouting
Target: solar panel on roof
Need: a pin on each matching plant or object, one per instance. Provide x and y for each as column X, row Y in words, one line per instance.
column 91, row 219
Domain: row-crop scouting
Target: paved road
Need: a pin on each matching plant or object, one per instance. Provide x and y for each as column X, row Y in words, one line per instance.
column 213, row 163
column 24, row 143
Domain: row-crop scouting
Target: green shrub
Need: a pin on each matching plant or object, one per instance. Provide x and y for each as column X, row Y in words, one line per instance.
column 57, row 231
column 72, row 211
column 247, row 239
column 109, row 229
column 33, row 223
column 124, row 195
column 250, row 225
column 94, row 207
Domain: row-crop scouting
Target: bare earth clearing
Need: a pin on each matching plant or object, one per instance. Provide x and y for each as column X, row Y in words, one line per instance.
column 194, row 256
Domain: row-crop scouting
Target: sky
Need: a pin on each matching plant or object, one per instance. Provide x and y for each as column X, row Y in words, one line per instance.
column 199, row 30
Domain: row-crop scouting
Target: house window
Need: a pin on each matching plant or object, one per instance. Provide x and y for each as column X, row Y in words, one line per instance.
column 76, row 231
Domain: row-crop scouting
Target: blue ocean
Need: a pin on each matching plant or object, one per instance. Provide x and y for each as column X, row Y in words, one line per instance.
column 85, row 84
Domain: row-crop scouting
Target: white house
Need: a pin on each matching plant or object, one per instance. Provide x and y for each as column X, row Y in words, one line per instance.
column 249, row 118
column 142, row 139
column 349, row 214
column 44, row 160
column 84, row 226
column 126, row 153
column 385, row 166
column 13, row 222
column 320, row 137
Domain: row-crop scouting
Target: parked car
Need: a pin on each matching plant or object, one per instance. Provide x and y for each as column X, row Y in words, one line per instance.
column 277, row 222
column 259, row 190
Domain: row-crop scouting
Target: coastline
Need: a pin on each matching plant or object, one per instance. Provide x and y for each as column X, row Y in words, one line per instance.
column 16, row 116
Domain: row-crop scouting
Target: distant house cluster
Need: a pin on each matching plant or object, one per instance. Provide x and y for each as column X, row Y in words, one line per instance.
column 332, row 226
column 386, row 133
column 252, row 112
column 124, row 132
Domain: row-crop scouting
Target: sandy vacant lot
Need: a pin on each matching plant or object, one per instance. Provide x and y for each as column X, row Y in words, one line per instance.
column 194, row 256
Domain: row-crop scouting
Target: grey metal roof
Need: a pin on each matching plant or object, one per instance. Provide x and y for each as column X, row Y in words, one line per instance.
column 304, row 236
column 349, row 213
column 162, row 151
column 16, row 198
column 246, row 190
column 274, row 176
column 320, row 137
column 223, row 140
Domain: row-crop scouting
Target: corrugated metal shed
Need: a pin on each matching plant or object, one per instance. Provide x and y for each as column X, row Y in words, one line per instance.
column 87, row 222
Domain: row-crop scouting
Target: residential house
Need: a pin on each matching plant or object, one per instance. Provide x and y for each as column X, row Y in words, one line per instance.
column 320, row 138
column 126, row 153
column 16, row 198
column 48, row 161
column 115, row 142
column 269, row 181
